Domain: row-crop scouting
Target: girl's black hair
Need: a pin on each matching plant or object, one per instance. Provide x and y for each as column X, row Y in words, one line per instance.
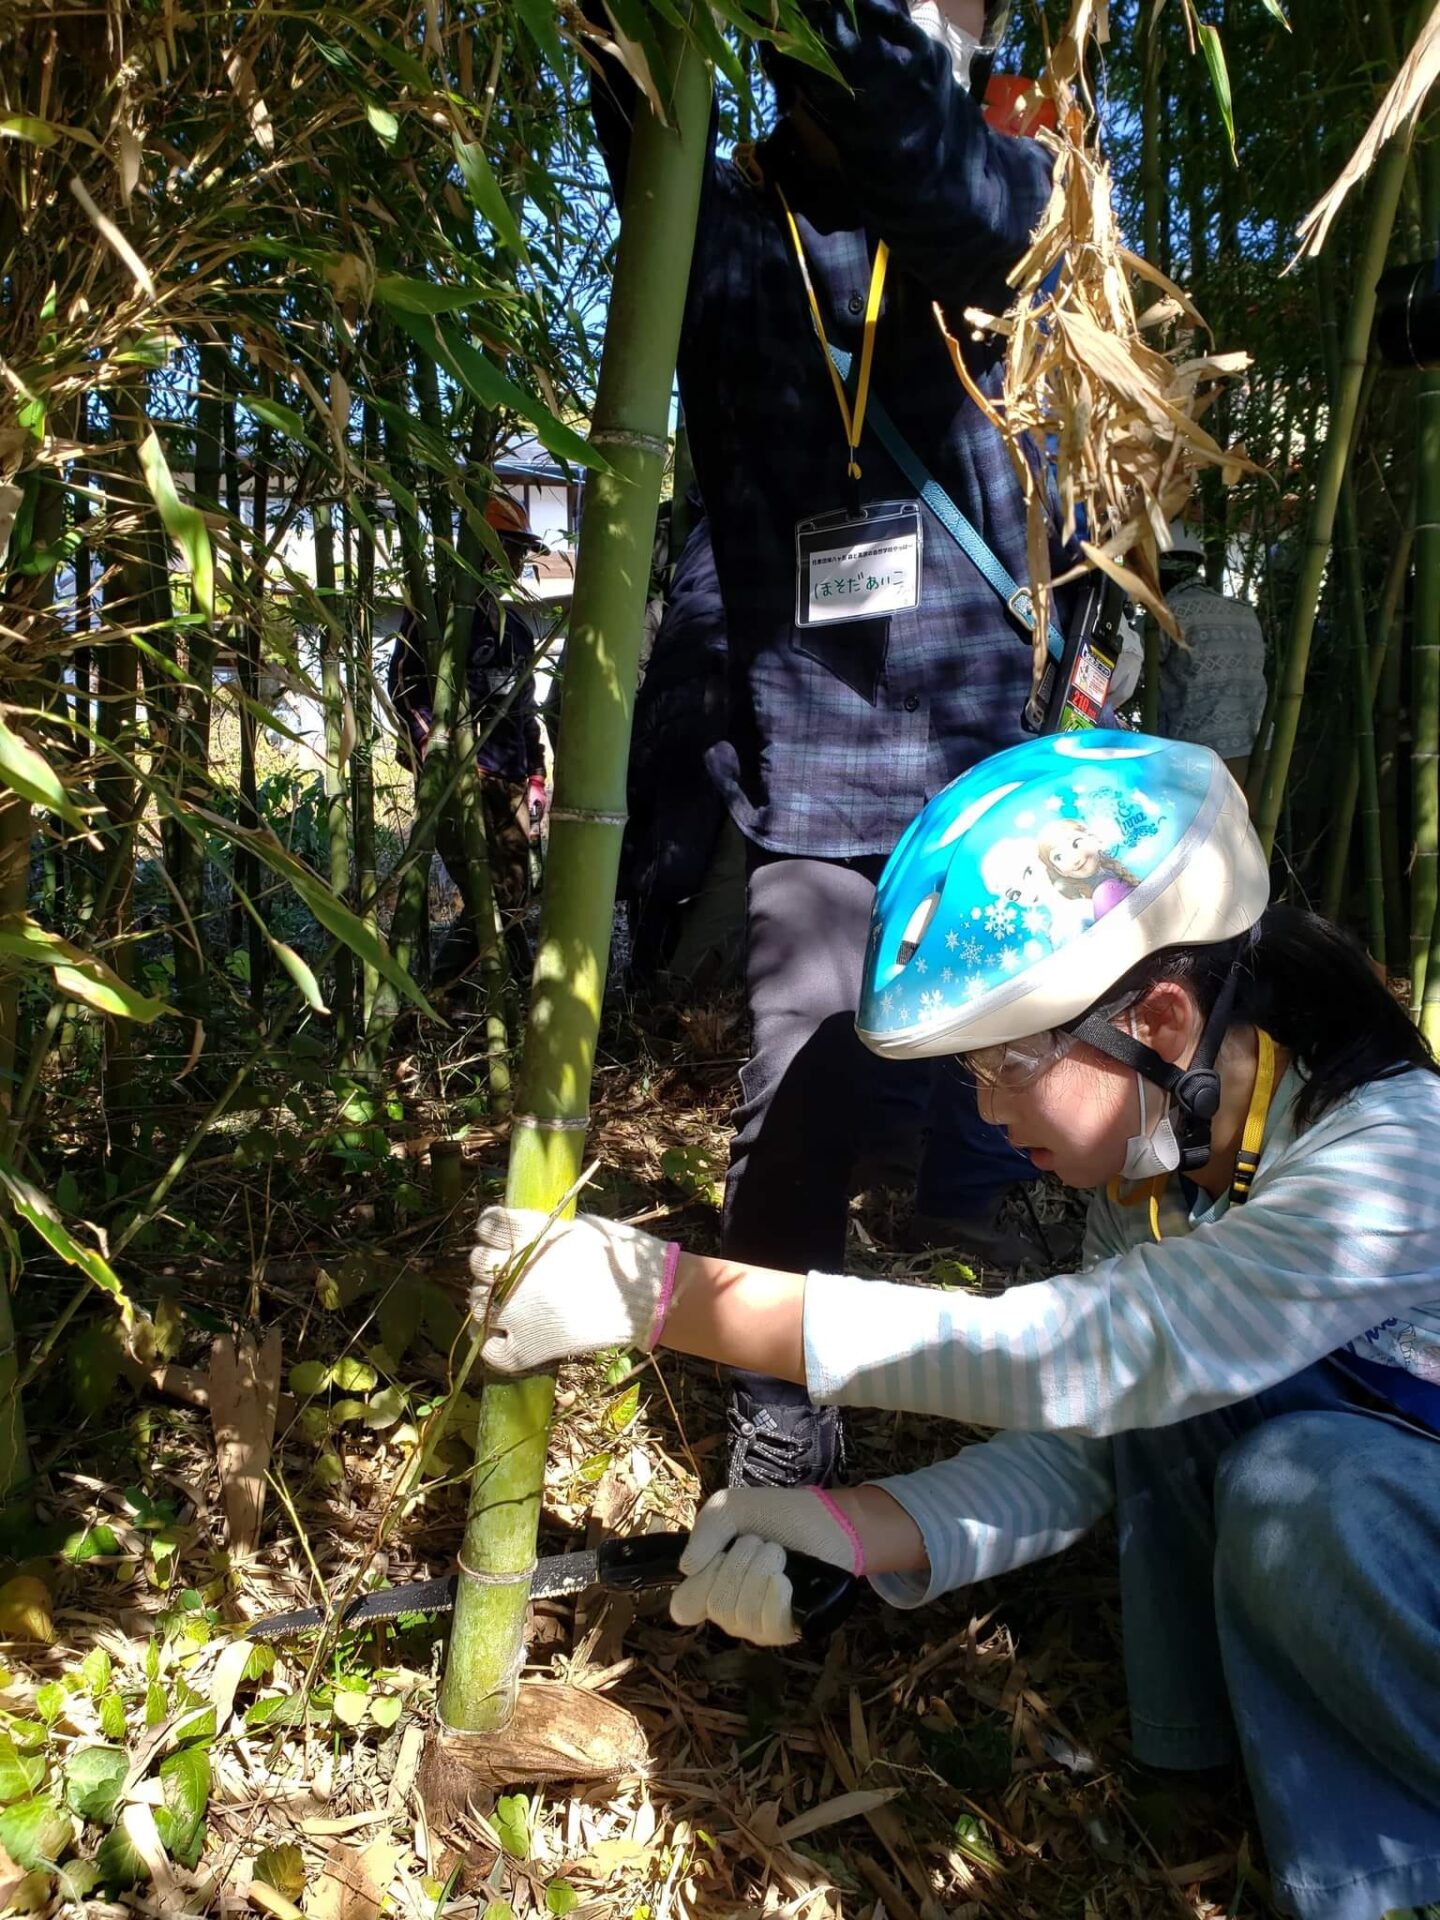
column 1313, row 990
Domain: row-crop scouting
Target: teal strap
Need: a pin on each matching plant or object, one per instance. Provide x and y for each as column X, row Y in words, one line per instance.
column 969, row 540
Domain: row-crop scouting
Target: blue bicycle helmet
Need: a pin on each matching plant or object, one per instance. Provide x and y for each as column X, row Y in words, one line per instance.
column 1032, row 884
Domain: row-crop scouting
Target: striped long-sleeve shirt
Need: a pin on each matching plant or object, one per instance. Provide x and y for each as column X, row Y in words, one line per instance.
column 1336, row 1252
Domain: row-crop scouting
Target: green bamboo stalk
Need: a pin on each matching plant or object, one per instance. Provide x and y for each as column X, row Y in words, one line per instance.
column 184, row 850
column 337, row 818
column 1378, row 654
column 1425, row 677
column 631, row 422
column 1387, row 739
column 360, row 665
column 247, row 662
column 1389, row 178
column 1152, row 195
column 15, row 825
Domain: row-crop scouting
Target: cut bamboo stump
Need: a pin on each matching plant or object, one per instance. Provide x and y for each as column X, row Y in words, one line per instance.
column 447, row 1174
column 558, row 1732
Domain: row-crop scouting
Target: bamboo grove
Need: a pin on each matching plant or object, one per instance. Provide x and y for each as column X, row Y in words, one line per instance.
column 267, row 274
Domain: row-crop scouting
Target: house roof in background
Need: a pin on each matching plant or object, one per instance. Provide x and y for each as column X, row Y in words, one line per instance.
column 527, row 461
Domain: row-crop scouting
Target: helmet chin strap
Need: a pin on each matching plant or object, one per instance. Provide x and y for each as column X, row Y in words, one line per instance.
column 1194, row 1089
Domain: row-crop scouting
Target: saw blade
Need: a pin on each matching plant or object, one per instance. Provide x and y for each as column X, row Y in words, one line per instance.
column 564, row 1573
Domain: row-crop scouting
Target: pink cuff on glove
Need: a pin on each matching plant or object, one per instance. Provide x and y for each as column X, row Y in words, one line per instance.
column 667, row 1290
column 846, row 1526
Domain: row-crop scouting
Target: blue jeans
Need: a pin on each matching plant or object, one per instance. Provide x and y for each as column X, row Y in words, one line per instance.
column 813, row 1098
column 1280, row 1584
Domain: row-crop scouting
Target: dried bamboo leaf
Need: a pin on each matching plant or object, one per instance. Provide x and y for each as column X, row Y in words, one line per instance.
column 1398, row 112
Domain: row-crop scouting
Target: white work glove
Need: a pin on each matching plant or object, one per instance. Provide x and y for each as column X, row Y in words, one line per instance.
column 589, row 1284
column 735, row 1561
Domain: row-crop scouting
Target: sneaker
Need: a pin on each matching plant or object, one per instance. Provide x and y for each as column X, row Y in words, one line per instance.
column 782, row 1445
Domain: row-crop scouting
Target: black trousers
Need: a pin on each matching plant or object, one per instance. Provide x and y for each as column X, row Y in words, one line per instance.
column 814, row 1100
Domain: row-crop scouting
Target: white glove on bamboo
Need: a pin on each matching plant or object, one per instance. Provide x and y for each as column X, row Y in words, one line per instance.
column 589, row 1284
column 742, row 1587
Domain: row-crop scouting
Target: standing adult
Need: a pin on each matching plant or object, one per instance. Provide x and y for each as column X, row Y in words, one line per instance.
column 1212, row 681
column 509, row 750
column 881, row 199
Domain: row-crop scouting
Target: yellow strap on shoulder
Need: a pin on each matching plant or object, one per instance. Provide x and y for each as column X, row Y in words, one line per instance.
column 1247, row 1160
column 1146, row 1194
column 854, row 419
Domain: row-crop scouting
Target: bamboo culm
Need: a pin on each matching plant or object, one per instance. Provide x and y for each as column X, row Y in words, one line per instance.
column 631, row 424
column 1384, row 199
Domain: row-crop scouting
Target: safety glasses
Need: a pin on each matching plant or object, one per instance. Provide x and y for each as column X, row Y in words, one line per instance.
column 1017, row 1063
column 1020, row 1063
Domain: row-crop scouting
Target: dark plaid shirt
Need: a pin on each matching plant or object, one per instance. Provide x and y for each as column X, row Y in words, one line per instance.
column 838, row 735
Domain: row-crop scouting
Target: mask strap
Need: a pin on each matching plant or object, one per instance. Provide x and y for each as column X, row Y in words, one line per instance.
column 1195, row 1089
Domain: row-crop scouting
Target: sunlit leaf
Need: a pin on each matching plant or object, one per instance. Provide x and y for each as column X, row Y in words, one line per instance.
column 407, row 296
column 35, row 1208
column 1214, row 51
column 383, row 124
column 20, row 1773
column 35, row 1833
column 185, row 1783
column 511, row 1820
column 29, row 774
column 300, row 972
column 274, row 414
column 93, row 1779
column 185, row 525
column 24, row 126
column 484, row 190
column 23, row 943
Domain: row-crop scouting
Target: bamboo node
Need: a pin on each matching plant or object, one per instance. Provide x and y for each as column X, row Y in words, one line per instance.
column 483, row 1579
column 638, row 442
column 537, row 1123
column 588, row 816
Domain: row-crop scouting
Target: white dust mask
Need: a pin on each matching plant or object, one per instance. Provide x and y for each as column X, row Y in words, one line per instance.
column 960, row 45
column 1150, row 1152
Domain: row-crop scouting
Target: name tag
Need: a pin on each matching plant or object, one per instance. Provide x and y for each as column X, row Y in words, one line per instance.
column 852, row 566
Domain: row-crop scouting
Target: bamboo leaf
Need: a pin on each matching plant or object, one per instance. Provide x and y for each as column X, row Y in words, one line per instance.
column 185, row 525
column 484, row 381
column 38, row 1211
column 108, row 230
column 332, row 914
column 1277, row 12
column 539, row 19
column 23, row 943
column 29, row 774
column 24, row 126
column 299, row 971
column 484, row 190
column 405, row 296
column 404, row 65
column 1214, row 52
column 273, row 414
column 383, row 124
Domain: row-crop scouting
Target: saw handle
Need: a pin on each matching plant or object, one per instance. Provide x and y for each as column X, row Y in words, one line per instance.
column 821, row 1596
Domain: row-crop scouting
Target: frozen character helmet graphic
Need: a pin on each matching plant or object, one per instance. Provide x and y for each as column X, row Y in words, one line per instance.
column 1080, row 866
column 1014, row 871
column 1030, row 885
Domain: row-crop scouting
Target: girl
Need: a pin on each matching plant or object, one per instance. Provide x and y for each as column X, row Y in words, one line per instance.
column 1247, row 1371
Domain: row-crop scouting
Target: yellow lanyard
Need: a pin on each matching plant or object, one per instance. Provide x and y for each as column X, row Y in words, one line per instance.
column 1247, row 1160
column 854, row 418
